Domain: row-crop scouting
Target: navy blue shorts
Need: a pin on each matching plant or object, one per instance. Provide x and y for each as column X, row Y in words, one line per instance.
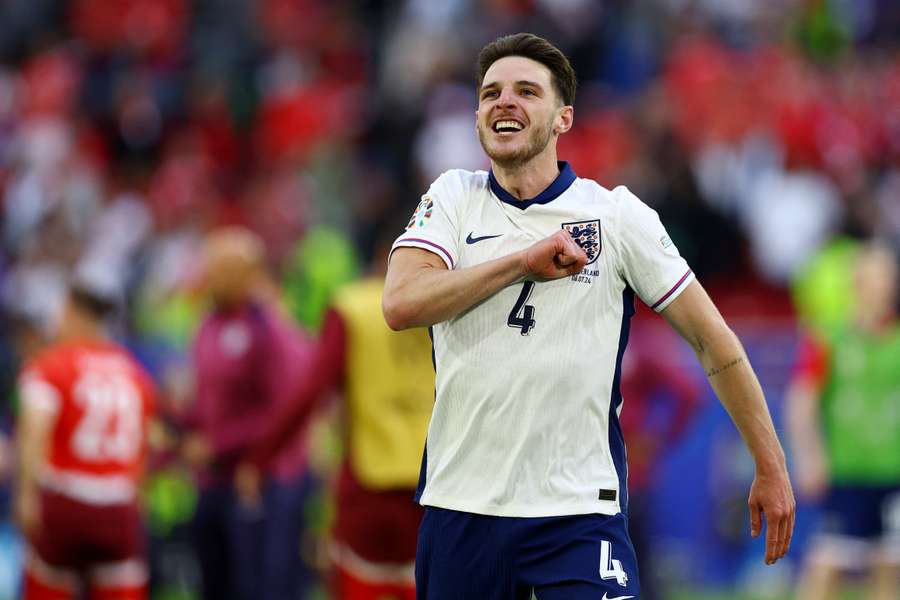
column 462, row 556
column 858, row 511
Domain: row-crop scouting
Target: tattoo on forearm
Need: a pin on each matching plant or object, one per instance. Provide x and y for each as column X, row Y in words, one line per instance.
column 725, row 367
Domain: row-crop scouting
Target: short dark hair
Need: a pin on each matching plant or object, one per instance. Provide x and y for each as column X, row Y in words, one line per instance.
column 537, row 49
column 95, row 305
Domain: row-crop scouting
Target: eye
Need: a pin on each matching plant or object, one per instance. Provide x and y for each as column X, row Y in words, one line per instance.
column 528, row 92
column 489, row 94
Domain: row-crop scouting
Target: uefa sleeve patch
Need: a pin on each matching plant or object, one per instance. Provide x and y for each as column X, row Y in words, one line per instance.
column 422, row 213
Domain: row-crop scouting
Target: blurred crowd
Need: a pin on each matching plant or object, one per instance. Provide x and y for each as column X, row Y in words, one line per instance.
column 761, row 130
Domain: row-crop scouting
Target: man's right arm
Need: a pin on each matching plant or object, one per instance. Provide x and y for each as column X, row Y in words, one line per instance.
column 420, row 291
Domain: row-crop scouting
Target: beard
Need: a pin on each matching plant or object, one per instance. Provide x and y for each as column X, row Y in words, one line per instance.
column 513, row 158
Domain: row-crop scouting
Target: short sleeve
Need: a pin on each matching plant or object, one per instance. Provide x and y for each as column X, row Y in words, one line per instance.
column 432, row 226
column 38, row 394
column 650, row 262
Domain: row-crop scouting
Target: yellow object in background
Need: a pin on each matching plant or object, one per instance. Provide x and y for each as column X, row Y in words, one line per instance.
column 389, row 390
column 823, row 289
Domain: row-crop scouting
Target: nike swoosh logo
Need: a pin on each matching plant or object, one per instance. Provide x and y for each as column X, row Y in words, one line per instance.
column 475, row 240
column 605, row 597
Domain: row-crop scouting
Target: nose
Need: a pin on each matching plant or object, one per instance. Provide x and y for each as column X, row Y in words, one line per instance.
column 506, row 97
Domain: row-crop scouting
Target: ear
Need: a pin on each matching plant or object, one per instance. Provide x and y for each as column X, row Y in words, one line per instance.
column 565, row 116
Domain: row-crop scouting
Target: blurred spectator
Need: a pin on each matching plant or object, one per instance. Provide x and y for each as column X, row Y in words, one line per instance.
column 844, row 421
column 249, row 360
column 447, row 139
column 788, row 216
column 823, row 300
column 758, row 129
column 82, row 439
column 387, row 381
column 321, row 263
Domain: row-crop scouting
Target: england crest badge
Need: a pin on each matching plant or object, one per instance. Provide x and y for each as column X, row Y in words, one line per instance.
column 587, row 235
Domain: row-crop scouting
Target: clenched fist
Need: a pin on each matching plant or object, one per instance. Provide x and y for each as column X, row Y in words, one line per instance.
column 554, row 257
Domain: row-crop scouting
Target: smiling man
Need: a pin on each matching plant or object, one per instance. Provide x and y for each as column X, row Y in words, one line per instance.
column 527, row 275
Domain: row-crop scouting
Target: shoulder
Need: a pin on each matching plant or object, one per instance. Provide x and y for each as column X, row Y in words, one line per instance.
column 620, row 204
column 272, row 320
column 49, row 361
column 130, row 359
column 457, row 184
column 631, row 210
column 833, row 337
column 121, row 359
column 107, row 356
column 590, row 187
column 625, row 199
column 591, row 191
column 208, row 323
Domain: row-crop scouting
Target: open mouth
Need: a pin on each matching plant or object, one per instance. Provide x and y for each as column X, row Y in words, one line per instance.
column 507, row 126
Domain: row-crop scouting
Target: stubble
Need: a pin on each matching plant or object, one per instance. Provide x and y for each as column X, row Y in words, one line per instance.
column 538, row 138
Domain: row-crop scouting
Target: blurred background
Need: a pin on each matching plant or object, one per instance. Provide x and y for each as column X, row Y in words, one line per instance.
column 766, row 134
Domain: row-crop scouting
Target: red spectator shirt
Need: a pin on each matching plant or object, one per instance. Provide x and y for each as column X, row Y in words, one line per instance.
column 100, row 400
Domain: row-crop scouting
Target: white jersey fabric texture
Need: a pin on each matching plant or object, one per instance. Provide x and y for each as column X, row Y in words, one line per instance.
column 527, row 398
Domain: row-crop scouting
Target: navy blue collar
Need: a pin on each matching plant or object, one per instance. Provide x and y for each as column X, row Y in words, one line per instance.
column 562, row 182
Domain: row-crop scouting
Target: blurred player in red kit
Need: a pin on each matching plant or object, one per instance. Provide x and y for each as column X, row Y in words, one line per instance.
column 82, row 439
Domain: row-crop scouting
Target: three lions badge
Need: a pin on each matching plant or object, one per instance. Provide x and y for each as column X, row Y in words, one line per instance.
column 587, row 235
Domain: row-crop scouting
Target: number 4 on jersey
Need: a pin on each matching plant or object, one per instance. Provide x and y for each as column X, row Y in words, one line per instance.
column 611, row 568
column 522, row 314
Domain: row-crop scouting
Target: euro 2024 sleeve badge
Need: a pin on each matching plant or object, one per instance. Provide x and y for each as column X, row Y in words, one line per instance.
column 422, row 213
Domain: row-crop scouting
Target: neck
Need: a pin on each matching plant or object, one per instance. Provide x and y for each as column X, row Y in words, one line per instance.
column 527, row 180
column 81, row 328
column 231, row 305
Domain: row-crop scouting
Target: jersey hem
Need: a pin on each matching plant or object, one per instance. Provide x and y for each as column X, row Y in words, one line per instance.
column 96, row 490
column 603, row 507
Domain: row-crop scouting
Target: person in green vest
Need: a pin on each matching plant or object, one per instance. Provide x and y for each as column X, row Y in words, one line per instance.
column 844, row 424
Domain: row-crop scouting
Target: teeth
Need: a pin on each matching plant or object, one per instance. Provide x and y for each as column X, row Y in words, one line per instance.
column 507, row 125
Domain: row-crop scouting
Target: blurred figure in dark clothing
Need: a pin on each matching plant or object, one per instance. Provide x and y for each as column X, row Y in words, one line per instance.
column 387, row 381
column 249, row 360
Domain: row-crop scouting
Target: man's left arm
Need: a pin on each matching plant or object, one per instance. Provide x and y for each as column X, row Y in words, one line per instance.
column 694, row 316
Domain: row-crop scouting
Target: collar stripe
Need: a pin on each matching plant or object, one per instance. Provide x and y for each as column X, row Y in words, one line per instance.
column 562, row 182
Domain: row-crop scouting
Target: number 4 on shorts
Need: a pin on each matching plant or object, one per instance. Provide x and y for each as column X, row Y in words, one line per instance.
column 611, row 568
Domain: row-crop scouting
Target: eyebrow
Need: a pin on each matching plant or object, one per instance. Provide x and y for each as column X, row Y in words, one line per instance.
column 521, row 82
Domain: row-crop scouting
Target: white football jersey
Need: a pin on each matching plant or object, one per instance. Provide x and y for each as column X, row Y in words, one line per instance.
column 527, row 398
